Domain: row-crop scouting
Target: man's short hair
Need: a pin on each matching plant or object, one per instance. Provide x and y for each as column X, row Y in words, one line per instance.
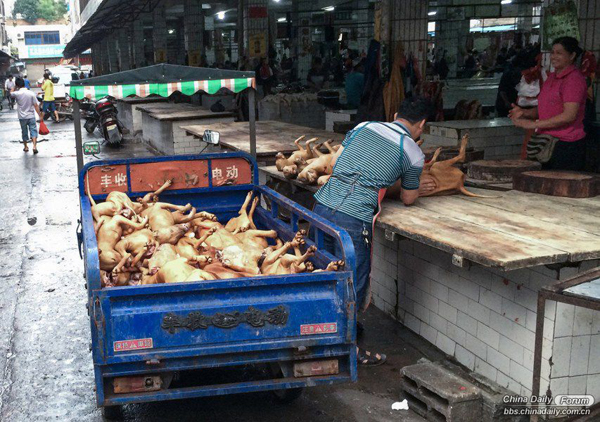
column 20, row 83
column 10, row 76
column 46, row 76
column 414, row 109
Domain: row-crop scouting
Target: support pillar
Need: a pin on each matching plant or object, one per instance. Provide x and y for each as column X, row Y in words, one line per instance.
column 124, row 53
column 159, row 33
column 111, row 52
column 194, row 31
column 256, row 28
column 303, row 40
column 451, row 36
column 96, row 58
column 138, row 45
column 104, row 56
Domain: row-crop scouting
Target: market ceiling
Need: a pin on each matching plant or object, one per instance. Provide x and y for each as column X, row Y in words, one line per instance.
column 111, row 15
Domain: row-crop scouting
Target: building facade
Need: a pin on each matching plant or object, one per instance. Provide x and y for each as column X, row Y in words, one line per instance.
column 3, row 35
column 39, row 46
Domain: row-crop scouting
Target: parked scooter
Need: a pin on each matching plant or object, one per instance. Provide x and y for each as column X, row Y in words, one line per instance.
column 102, row 115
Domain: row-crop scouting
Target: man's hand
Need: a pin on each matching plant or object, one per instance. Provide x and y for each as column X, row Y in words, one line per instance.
column 427, row 185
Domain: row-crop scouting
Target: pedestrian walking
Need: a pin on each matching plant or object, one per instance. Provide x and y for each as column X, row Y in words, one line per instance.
column 9, row 85
column 27, row 106
column 48, row 105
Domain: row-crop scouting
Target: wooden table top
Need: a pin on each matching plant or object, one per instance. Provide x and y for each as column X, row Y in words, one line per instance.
column 510, row 231
column 271, row 136
column 273, row 172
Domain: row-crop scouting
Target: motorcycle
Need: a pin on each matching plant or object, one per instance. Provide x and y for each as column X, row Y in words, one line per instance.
column 61, row 117
column 102, row 115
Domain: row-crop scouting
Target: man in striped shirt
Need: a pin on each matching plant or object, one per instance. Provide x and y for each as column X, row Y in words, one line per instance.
column 373, row 156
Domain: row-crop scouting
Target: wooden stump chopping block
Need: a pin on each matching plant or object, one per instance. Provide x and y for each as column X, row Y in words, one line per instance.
column 500, row 170
column 558, row 183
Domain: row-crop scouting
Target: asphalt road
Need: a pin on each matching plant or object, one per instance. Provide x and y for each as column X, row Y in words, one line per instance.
column 46, row 371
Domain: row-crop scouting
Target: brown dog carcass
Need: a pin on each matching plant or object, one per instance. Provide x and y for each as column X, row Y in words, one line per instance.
column 109, row 233
column 448, row 179
column 177, row 271
column 303, row 152
column 320, row 166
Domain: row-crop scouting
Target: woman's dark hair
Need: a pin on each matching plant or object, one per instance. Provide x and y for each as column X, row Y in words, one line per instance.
column 414, row 109
column 20, row 83
column 46, row 76
column 570, row 44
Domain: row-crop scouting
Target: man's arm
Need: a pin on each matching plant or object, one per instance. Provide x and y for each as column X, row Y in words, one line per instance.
column 37, row 109
column 409, row 197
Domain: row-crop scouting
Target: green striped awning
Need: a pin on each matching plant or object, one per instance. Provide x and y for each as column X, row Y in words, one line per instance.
column 163, row 89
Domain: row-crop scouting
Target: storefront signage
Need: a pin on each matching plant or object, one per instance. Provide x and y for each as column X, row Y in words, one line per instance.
column 43, row 51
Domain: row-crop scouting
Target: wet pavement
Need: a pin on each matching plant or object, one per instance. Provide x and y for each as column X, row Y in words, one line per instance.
column 46, row 371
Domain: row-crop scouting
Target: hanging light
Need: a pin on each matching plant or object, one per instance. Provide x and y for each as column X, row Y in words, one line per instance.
column 432, row 13
column 329, row 8
column 506, row 2
column 221, row 15
column 282, row 20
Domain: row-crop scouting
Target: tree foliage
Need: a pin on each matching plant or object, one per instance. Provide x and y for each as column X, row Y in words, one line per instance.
column 32, row 10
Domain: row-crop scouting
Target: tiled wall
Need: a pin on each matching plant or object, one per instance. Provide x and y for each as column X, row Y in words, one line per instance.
column 486, row 318
column 169, row 138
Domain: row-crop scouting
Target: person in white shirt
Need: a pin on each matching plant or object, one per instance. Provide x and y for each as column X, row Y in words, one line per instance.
column 9, row 85
column 27, row 108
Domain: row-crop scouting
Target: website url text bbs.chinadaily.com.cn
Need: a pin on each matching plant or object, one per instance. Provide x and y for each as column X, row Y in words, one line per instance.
column 560, row 405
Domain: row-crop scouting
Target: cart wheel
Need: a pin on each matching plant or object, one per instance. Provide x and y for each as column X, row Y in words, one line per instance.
column 88, row 130
column 286, row 395
column 112, row 413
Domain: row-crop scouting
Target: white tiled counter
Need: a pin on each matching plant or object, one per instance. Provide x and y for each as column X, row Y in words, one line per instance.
column 129, row 114
column 498, row 138
column 485, row 317
column 162, row 127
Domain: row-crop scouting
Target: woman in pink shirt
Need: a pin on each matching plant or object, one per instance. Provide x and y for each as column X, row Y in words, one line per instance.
column 561, row 107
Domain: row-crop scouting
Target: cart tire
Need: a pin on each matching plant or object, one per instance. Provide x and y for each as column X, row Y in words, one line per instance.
column 288, row 395
column 112, row 413
column 89, row 131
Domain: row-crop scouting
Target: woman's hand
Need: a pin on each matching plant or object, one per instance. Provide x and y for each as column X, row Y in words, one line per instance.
column 524, row 123
column 515, row 112
column 427, row 185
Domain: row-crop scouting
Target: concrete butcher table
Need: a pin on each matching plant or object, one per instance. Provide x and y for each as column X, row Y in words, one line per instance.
column 498, row 138
column 129, row 114
column 162, row 126
column 464, row 273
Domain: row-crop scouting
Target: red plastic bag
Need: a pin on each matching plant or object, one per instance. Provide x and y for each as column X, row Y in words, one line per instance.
column 43, row 128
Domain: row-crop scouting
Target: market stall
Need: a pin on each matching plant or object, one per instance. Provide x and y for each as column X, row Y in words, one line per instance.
column 162, row 126
column 272, row 137
column 464, row 273
column 162, row 80
column 130, row 115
